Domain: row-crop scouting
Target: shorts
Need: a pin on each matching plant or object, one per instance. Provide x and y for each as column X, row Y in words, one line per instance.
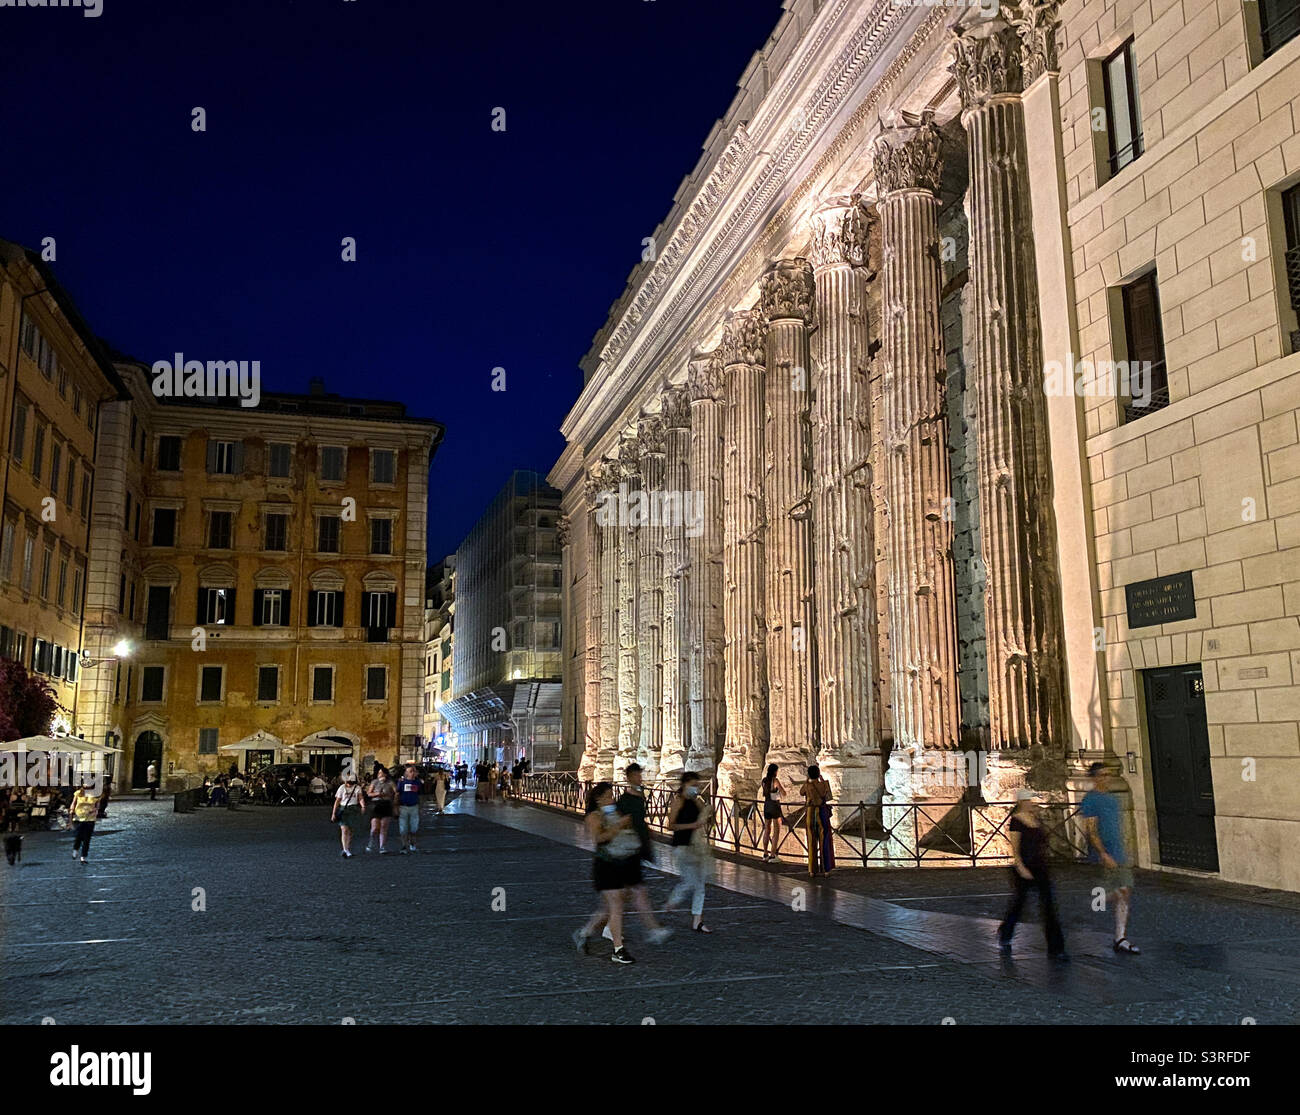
column 1119, row 877
column 408, row 820
column 772, row 811
column 349, row 815
column 615, row 874
column 383, row 809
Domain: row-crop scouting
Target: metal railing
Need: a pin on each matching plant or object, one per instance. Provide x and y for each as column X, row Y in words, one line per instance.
column 915, row 834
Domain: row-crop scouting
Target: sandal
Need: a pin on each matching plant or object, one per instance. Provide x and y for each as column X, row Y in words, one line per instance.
column 1124, row 945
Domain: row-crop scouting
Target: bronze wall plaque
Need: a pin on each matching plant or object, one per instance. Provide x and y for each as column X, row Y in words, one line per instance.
column 1160, row 600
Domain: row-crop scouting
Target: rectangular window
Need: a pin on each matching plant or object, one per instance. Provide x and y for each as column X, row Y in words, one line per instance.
column 208, row 741
column 56, row 467
column 333, row 462
column 277, row 532
column 271, row 607
column 29, row 551
column 47, row 561
column 157, row 622
column 19, row 448
column 268, row 683
column 164, row 526
column 378, row 614
column 71, row 486
column 85, row 494
column 383, row 466
column 7, row 531
column 210, row 678
column 76, row 399
column 1291, row 220
column 1279, row 23
column 1123, row 109
column 219, row 529
column 225, row 458
column 381, row 536
column 322, row 683
column 325, row 608
column 376, row 683
column 279, row 459
column 216, row 606
column 78, row 582
column 327, row 534
column 1144, row 342
column 38, row 452
column 151, row 683
column 169, row 453
column 62, row 592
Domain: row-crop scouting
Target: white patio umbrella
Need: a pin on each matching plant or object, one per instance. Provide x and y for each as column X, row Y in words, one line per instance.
column 65, row 745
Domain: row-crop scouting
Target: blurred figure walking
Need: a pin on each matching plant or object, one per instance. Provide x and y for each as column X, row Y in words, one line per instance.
column 1029, row 869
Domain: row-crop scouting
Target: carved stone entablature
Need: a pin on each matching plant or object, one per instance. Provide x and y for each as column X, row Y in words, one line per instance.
column 676, row 413
column 563, row 531
column 649, row 435
column 909, row 157
column 672, row 253
column 1037, row 22
column 744, row 338
column 707, row 376
column 988, row 60
column 787, row 291
column 840, row 233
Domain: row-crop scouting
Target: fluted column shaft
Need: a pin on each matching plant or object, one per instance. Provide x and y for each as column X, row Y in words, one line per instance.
column 1017, row 530
column 743, row 558
column 922, row 592
column 629, row 598
column 593, row 632
column 707, row 627
column 844, row 587
column 679, row 512
column 609, row 535
column 650, row 599
column 787, row 489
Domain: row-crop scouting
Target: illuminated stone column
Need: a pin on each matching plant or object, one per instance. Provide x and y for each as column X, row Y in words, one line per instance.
column 678, row 511
column 787, row 301
column 844, row 584
column 629, row 593
column 650, row 596
column 1017, row 530
column 591, row 484
column 918, row 474
column 707, row 631
column 609, row 532
column 745, row 648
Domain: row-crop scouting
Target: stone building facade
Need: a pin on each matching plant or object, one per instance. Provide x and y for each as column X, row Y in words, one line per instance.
column 957, row 413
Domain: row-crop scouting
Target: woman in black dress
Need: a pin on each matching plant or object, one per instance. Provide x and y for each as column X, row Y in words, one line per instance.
column 1029, row 869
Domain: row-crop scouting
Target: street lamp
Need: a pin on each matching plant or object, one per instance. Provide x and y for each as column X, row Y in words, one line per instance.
column 121, row 649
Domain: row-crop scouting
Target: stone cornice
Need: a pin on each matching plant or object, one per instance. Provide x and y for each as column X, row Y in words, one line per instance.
column 842, row 51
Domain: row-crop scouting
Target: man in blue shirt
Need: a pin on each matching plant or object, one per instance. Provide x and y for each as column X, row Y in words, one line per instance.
column 408, row 808
column 1103, row 827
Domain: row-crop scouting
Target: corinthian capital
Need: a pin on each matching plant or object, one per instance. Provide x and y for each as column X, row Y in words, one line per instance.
column 908, row 157
column 744, row 338
column 987, row 58
column 563, row 531
column 706, row 378
column 676, row 412
column 840, row 232
column 595, row 481
column 1036, row 23
column 787, row 291
column 650, row 435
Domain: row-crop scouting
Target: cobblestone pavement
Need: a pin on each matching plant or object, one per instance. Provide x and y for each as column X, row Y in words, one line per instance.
column 292, row 933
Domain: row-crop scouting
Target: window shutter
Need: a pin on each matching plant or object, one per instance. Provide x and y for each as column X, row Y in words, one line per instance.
column 391, row 616
column 230, row 606
column 212, row 456
column 200, row 612
column 365, row 609
column 340, row 601
column 311, row 607
column 286, row 600
column 238, row 458
column 257, row 607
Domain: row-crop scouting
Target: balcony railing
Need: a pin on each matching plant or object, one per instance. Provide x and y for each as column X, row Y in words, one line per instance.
column 916, row 834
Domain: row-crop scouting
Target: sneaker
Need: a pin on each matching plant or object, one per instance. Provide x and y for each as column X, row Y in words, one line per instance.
column 369, row 848
column 74, row 853
column 405, row 852
column 382, row 851
column 83, row 859
column 342, row 854
column 660, row 935
column 580, row 940
column 348, row 855
column 621, row 957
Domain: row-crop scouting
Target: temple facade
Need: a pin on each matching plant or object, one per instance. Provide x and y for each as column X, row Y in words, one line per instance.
column 952, row 427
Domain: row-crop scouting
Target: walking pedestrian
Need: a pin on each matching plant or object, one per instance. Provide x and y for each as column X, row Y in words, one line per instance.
column 632, row 803
column 347, row 811
column 408, row 808
column 688, row 819
column 382, row 791
column 1029, row 870
column 440, row 780
column 151, row 777
column 772, row 790
column 615, row 867
column 817, row 821
column 85, row 811
column 1107, row 845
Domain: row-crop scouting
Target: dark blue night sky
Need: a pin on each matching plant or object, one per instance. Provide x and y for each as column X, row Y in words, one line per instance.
column 371, row 119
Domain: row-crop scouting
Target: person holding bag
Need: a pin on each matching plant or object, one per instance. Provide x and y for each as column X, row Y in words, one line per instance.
column 347, row 811
column 688, row 821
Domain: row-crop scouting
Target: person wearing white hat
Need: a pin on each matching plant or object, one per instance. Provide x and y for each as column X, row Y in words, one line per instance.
column 1029, row 869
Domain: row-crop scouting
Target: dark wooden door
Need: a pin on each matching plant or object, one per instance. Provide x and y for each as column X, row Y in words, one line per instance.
column 148, row 748
column 1180, row 767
